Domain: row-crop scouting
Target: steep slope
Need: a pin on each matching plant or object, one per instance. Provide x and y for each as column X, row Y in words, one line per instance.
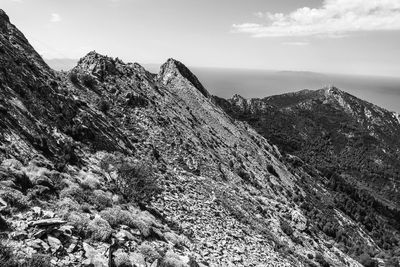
column 353, row 143
column 139, row 169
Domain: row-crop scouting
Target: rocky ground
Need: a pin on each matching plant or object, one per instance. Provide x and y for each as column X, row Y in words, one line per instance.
column 110, row 165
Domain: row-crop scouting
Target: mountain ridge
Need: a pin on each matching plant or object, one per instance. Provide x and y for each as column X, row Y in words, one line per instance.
column 109, row 164
column 351, row 142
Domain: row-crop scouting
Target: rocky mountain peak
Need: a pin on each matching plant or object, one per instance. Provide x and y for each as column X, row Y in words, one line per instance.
column 174, row 69
column 332, row 91
column 3, row 16
column 98, row 65
column 239, row 101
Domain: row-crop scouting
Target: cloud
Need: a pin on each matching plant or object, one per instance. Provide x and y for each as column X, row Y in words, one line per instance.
column 55, row 17
column 336, row 18
column 296, row 43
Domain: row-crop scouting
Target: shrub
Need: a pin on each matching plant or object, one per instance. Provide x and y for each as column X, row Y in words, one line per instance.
column 3, row 224
column 74, row 192
column 367, row 261
column 103, row 106
column 99, row 229
column 106, row 164
column 80, row 223
column 272, row 170
column 135, row 100
column 137, row 183
column 244, row 175
column 121, row 259
column 116, row 216
column 38, row 260
column 101, row 200
column 321, row 260
column 73, row 77
column 6, row 257
column 67, row 205
column 286, row 228
column 149, row 253
column 90, row 182
column 88, row 80
column 14, row 198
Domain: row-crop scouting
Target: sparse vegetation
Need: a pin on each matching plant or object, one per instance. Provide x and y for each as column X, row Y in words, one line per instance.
column 137, row 182
column 73, row 77
column 115, row 216
column 88, row 80
column 286, row 228
column 272, row 170
column 8, row 259
column 103, row 106
column 3, row 224
column 99, row 229
column 14, row 198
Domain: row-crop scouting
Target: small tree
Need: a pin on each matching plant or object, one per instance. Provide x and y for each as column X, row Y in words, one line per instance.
column 137, row 183
column 73, row 77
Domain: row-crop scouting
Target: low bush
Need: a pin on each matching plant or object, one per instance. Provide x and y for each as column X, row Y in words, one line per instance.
column 272, row 170
column 101, row 199
column 286, row 228
column 37, row 260
column 14, row 198
column 149, row 253
column 137, row 183
column 74, row 192
column 73, row 77
column 134, row 101
column 116, row 216
column 321, row 260
column 367, row 261
column 8, row 259
column 103, row 106
column 3, row 224
column 80, row 223
column 88, row 80
column 99, row 229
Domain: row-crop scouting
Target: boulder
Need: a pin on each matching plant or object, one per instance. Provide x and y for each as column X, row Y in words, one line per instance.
column 54, row 243
column 137, row 259
column 298, row 220
column 94, row 257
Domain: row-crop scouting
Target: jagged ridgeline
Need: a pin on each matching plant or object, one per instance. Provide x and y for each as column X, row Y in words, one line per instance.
column 110, row 165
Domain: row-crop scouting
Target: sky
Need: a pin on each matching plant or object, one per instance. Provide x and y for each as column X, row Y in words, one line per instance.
column 332, row 36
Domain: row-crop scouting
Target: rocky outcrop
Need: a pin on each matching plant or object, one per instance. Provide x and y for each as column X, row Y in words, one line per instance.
column 173, row 70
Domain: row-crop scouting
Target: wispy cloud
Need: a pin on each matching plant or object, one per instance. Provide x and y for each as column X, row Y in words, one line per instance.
column 335, row 18
column 296, row 43
column 55, row 17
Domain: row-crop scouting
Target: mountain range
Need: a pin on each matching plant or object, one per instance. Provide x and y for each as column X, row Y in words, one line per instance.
column 111, row 165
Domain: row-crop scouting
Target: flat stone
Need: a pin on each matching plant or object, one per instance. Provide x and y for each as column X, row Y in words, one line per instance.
column 20, row 235
column 47, row 222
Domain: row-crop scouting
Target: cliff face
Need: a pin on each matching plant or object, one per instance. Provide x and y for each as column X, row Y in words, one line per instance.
column 110, row 156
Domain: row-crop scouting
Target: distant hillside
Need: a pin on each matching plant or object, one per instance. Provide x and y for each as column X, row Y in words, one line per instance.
column 354, row 144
